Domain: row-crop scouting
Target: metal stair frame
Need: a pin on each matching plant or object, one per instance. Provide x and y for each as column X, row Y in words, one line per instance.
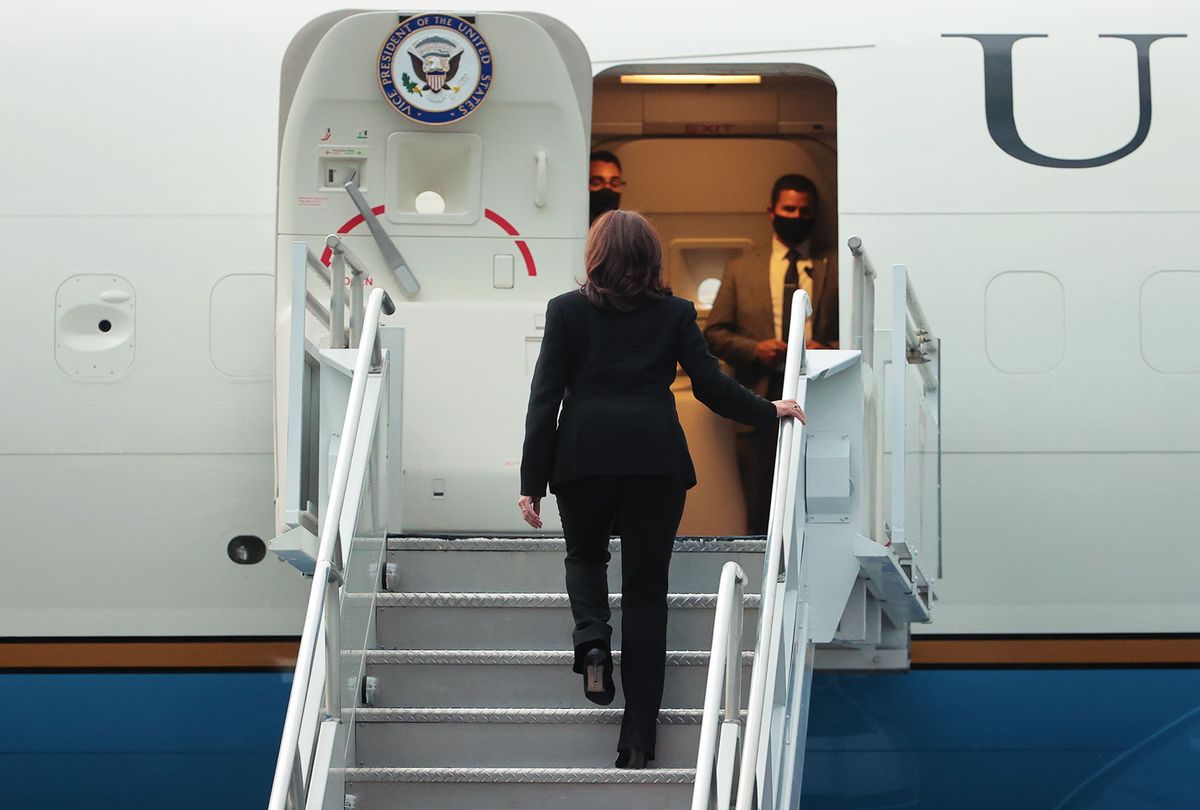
column 378, row 778
column 318, row 735
column 824, row 584
column 828, row 583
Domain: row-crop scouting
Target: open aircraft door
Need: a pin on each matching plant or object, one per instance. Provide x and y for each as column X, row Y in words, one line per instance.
column 446, row 158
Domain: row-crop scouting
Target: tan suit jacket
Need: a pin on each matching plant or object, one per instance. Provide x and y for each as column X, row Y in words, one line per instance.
column 741, row 316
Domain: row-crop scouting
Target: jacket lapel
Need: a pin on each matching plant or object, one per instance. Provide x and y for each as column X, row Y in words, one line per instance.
column 759, row 275
column 819, row 274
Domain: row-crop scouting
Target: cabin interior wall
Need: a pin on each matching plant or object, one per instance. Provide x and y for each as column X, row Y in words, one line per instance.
column 699, row 161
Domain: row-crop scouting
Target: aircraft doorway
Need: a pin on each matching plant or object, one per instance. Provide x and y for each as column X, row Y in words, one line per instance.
column 700, row 148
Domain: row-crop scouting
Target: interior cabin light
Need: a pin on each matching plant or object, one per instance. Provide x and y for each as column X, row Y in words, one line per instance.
column 691, row 78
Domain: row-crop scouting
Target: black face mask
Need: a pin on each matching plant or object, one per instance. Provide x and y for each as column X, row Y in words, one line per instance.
column 604, row 199
column 792, row 230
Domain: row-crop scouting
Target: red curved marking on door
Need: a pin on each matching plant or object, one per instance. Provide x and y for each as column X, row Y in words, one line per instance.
column 507, row 227
column 351, row 224
column 530, row 267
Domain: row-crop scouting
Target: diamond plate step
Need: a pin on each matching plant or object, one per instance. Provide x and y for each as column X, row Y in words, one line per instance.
column 504, row 564
column 701, row 544
column 534, row 600
column 493, row 629
column 546, row 738
column 488, row 621
column 516, row 678
column 683, row 658
column 474, row 714
column 539, row 776
column 519, row 788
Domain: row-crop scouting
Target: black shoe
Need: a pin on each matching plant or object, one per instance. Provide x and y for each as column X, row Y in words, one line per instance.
column 597, row 676
column 633, row 759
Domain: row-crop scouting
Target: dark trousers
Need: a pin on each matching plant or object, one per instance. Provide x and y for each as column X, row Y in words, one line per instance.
column 756, row 466
column 648, row 510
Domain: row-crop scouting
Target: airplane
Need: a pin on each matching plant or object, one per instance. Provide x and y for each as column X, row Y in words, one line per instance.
column 1031, row 166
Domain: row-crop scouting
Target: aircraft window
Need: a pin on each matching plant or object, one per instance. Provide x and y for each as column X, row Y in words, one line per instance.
column 430, row 202
column 1025, row 324
column 706, row 292
column 1170, row 335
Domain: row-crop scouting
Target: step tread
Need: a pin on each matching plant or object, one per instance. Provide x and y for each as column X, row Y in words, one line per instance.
column 722, row 545
column 679, row 658
column 675, row 776
column 534, row 600
column 666, row 717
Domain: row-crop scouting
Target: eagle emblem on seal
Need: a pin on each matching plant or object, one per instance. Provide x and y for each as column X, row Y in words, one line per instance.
column 434, row 63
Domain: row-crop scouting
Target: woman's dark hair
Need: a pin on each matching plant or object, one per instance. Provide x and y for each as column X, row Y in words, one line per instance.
column 623, row 258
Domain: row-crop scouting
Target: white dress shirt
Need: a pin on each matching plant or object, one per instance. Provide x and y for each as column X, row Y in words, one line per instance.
column 778, row 269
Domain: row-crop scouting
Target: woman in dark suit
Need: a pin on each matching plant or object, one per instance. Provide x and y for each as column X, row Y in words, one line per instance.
column 617, row 452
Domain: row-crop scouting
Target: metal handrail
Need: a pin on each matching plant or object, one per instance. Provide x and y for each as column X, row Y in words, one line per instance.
column 342, row 257
column 920, row 344
column 724, row 668
column 920, row 348
column 319, row 266
column 920, row 323
column 783, row 490
column 311, row 302
column 324, row 605
column 314, row 305
column 862, row 297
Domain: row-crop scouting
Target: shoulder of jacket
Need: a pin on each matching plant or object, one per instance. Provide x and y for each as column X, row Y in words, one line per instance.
column 744, row 258
column 751, row 260
column 683, row 306
column 571, row 298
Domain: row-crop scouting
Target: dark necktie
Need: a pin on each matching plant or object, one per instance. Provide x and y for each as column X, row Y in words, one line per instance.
column 791, row 283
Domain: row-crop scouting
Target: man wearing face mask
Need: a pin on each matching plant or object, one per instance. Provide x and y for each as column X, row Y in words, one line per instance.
column 604, row 184
column 748, row 322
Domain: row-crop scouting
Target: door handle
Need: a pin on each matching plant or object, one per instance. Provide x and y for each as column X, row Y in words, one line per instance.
column 539, row 192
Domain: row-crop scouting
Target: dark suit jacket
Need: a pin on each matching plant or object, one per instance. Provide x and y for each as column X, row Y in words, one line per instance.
column 612, row 372
column 741, row 315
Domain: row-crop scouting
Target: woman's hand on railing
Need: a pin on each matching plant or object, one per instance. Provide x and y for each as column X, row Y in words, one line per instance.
column 531, row 510
column 789, row 407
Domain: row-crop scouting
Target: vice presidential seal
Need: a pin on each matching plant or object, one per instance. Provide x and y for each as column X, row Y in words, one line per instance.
column 435, row 69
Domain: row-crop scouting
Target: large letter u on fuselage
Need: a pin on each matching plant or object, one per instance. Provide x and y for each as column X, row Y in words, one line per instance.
column 998, row 98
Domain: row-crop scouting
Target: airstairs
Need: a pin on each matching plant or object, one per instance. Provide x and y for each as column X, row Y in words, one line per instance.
column 475, row 704
column 433, row 671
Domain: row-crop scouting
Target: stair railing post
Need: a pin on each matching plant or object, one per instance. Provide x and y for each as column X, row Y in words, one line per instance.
column 862, row 313
column 387, row 307
column 733, row 660
column 333, row 647
column 324, row 601
column 338, row 560
column 856, row 292
column 730, row 747
column 356, row 306
column 783, row 489
column 710, row 759
column 337, row 299
column 295, row 793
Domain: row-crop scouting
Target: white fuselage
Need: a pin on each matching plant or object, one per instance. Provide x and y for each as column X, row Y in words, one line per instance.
column 142, row 143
